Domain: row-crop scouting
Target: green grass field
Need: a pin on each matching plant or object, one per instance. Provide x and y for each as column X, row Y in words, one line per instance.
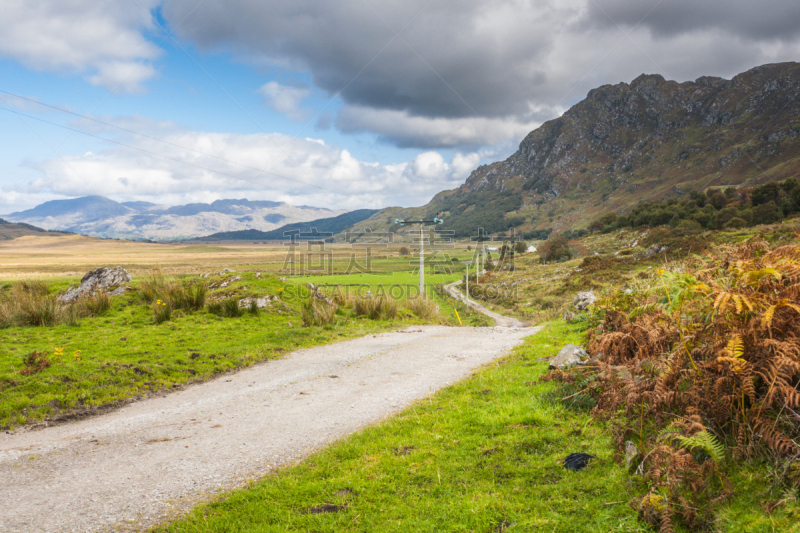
column 484, row 455
column 124, row 354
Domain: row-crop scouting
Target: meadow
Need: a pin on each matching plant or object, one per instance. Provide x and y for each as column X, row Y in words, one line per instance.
column 81, row 363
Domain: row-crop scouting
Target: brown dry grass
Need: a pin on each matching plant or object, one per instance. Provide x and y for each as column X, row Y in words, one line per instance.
column 74, row 255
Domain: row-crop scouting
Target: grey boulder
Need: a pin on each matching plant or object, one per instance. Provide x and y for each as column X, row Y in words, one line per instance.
column 584, row 300
column 98, row 280
column 261, row 303
column 569, row 356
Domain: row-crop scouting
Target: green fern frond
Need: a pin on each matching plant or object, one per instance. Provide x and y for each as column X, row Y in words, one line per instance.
column 706, row 442
column 642, row 310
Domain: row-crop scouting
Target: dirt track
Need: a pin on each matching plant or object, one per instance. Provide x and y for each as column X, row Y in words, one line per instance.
column 133, row 467
column 499, row 319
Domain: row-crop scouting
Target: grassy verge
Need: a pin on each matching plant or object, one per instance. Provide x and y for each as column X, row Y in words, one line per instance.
column 484, row 455
column 124, row 353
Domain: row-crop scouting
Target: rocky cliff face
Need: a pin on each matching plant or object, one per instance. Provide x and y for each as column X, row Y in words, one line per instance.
column 646, row 140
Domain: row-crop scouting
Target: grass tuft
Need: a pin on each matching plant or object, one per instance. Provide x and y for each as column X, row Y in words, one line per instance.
column 318, row 312
column 228, row 307
column 96, row 304
column 376, row 308
column 424, row 309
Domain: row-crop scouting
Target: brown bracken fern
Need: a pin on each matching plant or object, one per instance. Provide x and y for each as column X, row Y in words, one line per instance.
column 710, row 352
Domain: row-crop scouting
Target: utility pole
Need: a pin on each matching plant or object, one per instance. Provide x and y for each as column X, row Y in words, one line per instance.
column 436, row 220
column 466, row 264
column 422, row 261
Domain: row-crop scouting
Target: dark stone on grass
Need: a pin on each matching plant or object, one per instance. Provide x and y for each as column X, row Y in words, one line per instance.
column 326, row 508
column 577, row 461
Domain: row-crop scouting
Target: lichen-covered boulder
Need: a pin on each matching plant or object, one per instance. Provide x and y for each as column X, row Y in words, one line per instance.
column 584, row 300
column 569, row 356
column 100, row 279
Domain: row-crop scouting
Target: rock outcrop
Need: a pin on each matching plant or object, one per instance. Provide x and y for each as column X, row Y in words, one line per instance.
column 583, row 300
column 569, row 356
column 101, row 279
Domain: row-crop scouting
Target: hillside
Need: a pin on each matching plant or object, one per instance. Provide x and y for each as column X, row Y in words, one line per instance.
column 332, row 225
column 10, row 230
column 629, row 143
column 99, row 216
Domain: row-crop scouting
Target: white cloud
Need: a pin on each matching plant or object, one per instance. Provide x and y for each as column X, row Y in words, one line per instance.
column 286, row 99
column 206, row 166
column 98, row 38
column 402, row 129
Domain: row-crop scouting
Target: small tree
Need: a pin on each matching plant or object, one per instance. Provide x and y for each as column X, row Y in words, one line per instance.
column 403, row 251
column 521, row 247
column 555, row 249
column 718, row 200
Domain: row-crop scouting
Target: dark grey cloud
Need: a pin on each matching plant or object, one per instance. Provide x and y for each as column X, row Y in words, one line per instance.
column 467, row 73
column 454, row 58
column 751, row 20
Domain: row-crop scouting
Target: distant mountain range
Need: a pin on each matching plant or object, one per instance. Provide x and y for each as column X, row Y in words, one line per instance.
column 625, row 144
column 332, row 225
column 99, row 216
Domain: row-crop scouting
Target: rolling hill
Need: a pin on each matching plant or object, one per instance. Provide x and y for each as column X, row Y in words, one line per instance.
column 331, row 225
column 10, row 230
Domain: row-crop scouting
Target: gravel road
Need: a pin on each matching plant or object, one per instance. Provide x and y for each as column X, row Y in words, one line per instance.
column 154, row 459
column 500, row 320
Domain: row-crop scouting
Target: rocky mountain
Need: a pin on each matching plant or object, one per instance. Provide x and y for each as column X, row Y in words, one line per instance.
column 99, row 216
column 629, row 143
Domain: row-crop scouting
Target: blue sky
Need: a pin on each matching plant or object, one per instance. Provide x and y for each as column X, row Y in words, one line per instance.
column 341, row 105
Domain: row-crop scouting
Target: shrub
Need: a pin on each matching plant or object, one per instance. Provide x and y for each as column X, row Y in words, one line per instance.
column 424, row 309
column 735, row 223
column 404, row 251
column 766, row 213
column 555, row 249
column 687, row 227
